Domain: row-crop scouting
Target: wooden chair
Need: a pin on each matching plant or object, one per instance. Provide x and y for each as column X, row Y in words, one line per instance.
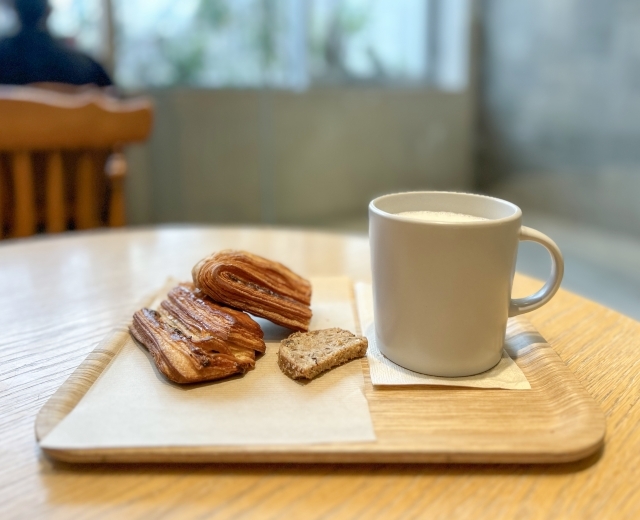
column 55, row 149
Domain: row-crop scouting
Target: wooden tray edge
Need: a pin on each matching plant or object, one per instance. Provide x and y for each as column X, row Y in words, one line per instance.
column 68, row 395
column 65, row 398
column 202, row 455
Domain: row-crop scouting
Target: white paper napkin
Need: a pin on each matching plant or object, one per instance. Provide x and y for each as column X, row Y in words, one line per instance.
column 132, row 405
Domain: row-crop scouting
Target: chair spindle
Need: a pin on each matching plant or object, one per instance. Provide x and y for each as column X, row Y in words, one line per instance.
column 86, row 193
column 116, row 171
column 56, row 217
column 23, row 195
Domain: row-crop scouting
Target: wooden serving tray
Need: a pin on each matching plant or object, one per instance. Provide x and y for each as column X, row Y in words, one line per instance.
column 556, row 421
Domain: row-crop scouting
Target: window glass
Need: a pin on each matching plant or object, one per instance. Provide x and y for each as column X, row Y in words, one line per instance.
column 277, row 43
column 369, row 39
column 81, row 23
column 195, row 42
column 8, row 22
column 212, row 43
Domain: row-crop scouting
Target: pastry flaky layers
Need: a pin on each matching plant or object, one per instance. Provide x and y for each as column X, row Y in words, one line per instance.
column 194, row 339
column 254, row 284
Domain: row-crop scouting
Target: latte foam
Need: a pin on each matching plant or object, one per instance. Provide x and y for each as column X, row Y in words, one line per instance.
column 440, row 216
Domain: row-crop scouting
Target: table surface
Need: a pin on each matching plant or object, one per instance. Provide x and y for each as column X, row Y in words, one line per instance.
column 59, row 295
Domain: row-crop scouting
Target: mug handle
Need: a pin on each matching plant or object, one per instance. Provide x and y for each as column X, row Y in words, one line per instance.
column 538, row 299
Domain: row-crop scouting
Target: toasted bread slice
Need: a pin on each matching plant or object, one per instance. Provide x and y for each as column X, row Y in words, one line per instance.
column 304, row 355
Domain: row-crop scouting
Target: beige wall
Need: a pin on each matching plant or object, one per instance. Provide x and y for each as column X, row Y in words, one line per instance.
column 295, row 158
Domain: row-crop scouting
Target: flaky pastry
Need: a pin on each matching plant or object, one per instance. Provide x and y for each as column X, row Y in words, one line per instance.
column 175, row 355
column 213, row 327
column 194, row 339
column 254, row 284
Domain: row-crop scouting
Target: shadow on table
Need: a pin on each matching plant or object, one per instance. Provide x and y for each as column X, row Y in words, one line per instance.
column 292, row 490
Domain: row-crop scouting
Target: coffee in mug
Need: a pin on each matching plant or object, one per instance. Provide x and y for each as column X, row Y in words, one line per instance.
column 443, row 266
column 440, row 216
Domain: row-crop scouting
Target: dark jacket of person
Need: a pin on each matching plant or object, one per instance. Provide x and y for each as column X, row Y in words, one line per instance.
column 34, row 56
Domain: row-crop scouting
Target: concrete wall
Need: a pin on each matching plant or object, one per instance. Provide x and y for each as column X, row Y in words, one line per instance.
column 295, row 158
column 560, row 107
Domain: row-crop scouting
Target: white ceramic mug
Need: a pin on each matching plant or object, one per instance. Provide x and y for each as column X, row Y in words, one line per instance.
column 442, row 290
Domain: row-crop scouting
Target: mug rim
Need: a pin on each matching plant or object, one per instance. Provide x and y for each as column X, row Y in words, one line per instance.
column 488, row 222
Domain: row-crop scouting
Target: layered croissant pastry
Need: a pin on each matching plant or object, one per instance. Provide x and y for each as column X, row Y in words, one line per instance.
column 194, row 339
column 254, row 284
column 212, row 326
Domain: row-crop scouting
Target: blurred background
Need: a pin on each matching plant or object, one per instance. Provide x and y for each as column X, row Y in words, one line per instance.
column 298, row 112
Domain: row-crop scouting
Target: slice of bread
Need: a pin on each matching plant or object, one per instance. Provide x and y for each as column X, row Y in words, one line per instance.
column 304, row 355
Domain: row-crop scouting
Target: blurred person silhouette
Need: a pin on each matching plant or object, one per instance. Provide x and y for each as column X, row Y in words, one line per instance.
column 33, row 55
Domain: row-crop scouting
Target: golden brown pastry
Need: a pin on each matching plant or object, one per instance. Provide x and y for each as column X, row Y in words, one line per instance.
column 175, row 355
column 213, row 327
column 254, row 284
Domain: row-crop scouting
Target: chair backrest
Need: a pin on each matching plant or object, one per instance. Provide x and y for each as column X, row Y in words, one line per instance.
column 54, row 147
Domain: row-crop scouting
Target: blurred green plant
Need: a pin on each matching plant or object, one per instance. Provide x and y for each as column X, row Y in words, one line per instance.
column 266, row 38
column 214, row 13
column 186, row 56
column 327, row 43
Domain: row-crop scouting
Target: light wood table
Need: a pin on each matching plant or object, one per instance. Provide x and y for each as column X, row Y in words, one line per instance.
column 60, row 294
